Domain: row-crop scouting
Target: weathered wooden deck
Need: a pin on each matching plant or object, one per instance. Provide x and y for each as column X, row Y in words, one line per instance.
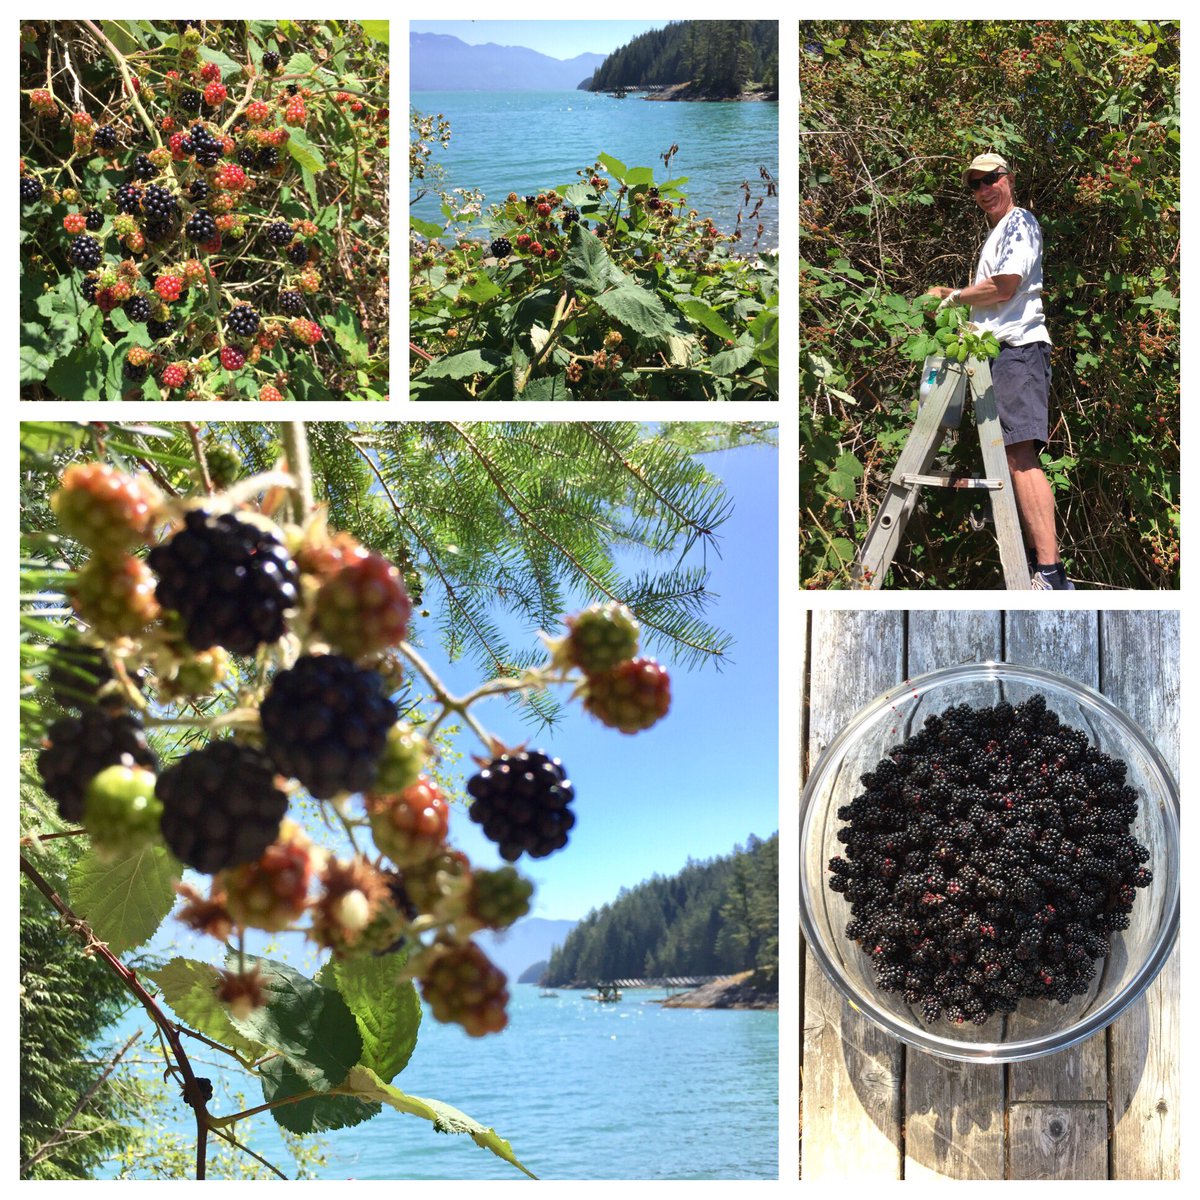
column 871, row 1108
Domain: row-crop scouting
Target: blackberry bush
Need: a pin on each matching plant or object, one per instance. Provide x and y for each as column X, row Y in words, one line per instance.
column 212, row 152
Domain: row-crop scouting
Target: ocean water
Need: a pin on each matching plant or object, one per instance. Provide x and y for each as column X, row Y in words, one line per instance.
column 528, row 141
column 582, row 1091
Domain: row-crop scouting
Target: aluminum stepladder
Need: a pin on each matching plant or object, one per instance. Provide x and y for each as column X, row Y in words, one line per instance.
column 940, row 411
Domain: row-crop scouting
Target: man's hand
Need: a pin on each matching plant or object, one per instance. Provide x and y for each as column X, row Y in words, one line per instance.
column 940, row 292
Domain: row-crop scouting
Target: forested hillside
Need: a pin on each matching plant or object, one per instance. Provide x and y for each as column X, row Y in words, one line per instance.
column 713, row 918
column 718, row 57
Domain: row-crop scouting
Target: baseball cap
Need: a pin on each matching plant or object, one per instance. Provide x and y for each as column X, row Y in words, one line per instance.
column 985, row 163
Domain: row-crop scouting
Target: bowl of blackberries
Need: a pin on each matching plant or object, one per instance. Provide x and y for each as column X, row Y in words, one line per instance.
column 990, row 862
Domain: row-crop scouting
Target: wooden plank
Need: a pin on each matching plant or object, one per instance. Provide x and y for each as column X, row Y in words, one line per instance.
column 954, row 1119
column 1140, row 673
column 1066, row 642
column 852, row 1070
column 1058, row 1141
column 995, row 463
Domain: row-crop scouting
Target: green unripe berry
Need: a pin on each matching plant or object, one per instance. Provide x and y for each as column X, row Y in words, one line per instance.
column 121, row 811
column 403, row 760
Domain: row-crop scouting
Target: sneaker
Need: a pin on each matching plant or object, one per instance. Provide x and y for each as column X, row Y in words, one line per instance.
column 1051, row 579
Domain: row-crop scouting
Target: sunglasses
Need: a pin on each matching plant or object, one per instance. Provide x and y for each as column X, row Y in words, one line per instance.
column 985, row 180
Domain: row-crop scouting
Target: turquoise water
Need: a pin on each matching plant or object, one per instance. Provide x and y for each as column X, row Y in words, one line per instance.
column 582, row 1091
column 529, row 141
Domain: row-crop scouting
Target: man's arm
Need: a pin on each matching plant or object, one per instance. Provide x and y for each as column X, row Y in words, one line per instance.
column 999, row 289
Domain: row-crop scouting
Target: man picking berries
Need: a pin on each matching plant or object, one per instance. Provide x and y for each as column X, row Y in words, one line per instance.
column 1006, row 299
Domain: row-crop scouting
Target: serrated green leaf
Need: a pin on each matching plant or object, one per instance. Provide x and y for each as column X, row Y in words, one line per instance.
column 78, row 375
column 299, row 64
column 429, row 229
column 547, row 387
column 639, row 176
column 305, row 155
column 229, row 68
column 446, row 1119
column 587, row 264
column 464, row 365
column 378, row 31
column 311, row 1026
column 706, row 315
column 318, row 1114
column 189, row 988
column 124, row 901
column 348, row 334
column 387, row 1010
column 614, row 166
column 729, row 362
column 636, row 309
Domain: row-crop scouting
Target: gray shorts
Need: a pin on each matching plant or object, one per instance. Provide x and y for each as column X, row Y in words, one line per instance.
column 1021, row 383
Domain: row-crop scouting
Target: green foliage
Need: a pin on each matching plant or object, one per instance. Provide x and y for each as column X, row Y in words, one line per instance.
column 718, row 58
column 1087, row 114
column 638, row 299
column 712, row 918
column 125, row 901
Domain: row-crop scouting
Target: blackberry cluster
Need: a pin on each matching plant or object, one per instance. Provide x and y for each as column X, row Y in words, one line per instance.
column 988, row 860
column 161, row 210
column 134, row 373
column 268, row 158
column 88, row 288
column 501, row 248
column 569, row 217
column 521, row 800
column 270, row 60
column 221, row 807
column 189, row 100
column 230, row 580
column 325, row 722
column 143, row 168
column 137, row 308
column 94, row 220
column 31, row 189
column 198, row 190
column 105, row 137
column 160, row 329
column 291, row 304
column 242, row 321
column 85, row 252
column 207, row 149
column 280, row 233
column 297, row 253
column 128, row 199
column 77, row 749
column 201, row 226
column 247, row 156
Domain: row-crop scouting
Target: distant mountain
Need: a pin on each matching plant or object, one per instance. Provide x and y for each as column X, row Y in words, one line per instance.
column 528, row 942
column 440, row 63
column 534, row 974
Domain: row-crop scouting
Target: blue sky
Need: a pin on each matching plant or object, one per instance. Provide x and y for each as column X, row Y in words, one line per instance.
column 559, row 39
column 706, row 776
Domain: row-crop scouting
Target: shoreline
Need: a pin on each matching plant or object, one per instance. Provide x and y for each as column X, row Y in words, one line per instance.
column 681, row 92
column 734, row 993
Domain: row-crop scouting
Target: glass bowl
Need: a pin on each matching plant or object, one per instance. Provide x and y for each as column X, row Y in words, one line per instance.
column 1040, row 1026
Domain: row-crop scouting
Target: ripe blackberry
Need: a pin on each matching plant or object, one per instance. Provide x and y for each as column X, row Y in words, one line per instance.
column 569, row 216
column 231, row 581
column 291, row 303
column 297, row 253
column 501, row 248
column 247, row 156
column 128, row 199
column 160, row 329
column 325, row 722
column 198, row 190
column 88, row 288
column 161, row 209
column 220, row 806
column 143, row 168
column 201, row 226
column 242, row 321
column 85, row 253
column 77, row 749
column 105, row 137
column 137, row 308
column 189, row 100
column 270, row 60
column 521, row 800
column 31, row 189
column 268, row 158
column 280, row 233
column 94, row 220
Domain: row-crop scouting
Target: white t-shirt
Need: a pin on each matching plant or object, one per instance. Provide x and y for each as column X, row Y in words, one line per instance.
column 1014, row 247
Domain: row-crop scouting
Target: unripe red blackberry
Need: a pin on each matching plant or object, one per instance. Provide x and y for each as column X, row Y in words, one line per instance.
column 105, row 509
column 220, row 806
column 521, row 800
column 410, row 827
column 364, row 607
column 326, row 723
column 230, row 579
column 272, row 891
column 78, row 748
column 463, row 987
column 115, row 596
column 631, row 697
column 600, row 637
column 120, row 811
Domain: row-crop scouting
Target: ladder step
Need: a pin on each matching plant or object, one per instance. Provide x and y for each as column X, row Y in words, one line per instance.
column 953, row 481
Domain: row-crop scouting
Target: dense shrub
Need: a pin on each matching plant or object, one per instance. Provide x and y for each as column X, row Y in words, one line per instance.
column 1087, row 114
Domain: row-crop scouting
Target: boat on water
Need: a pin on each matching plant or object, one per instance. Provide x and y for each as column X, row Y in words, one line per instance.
column 606, row 993
column 547, row 994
